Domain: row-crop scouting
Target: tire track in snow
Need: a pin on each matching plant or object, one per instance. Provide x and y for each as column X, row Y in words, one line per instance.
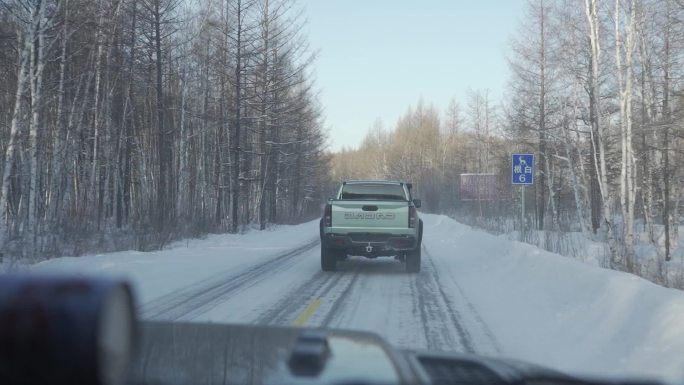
column 328, row 287
column 441, row 322
column 482, row 331
column 196, row 299
column 344, row 296
column 299, row 298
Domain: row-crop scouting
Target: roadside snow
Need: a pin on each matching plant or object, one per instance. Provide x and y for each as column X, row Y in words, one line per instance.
column 184, row 263
column 560, row 312
column 649, row 260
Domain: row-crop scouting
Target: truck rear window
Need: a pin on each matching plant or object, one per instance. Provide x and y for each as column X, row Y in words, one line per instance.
column 375, row 191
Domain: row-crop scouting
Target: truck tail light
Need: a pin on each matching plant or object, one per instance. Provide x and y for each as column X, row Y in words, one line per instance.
column 327, row 215
column 413, row 217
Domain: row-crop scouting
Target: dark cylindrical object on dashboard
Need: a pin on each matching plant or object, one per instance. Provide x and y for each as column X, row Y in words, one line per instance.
column 65, row 330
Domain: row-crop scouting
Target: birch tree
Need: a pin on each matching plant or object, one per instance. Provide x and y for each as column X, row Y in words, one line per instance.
column 598, row 136
column 624, row 49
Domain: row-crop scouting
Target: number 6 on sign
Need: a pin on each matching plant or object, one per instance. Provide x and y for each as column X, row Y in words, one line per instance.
column 522, row 178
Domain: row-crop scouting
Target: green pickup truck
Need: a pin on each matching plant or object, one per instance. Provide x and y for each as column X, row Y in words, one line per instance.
column 372, row 219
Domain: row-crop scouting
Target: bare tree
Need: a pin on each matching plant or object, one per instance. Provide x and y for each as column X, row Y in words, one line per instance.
column 125, row 122
column 624, row 50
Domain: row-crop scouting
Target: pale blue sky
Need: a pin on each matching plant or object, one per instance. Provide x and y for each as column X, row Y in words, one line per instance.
column 377, row 57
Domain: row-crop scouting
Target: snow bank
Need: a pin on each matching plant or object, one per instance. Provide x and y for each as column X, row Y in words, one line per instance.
column 557, row 311
column 649, row 261
column 184, row 263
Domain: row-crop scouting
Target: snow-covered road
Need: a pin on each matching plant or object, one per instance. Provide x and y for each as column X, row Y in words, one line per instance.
column 476, row 293
column 375, row 295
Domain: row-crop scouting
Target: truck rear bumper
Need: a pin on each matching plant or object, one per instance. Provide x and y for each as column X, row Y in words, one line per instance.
column 369, row 243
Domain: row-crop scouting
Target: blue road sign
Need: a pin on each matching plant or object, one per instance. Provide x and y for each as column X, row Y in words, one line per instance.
column 522, row 169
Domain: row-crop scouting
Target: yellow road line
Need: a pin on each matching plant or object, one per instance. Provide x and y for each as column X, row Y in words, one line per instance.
column 304, row 316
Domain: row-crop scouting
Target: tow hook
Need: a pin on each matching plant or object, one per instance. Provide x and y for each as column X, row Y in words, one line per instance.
column 369, row 248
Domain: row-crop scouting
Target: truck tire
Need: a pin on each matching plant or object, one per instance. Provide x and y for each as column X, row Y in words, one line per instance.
column 328, row 259
column 420, row 233
column 413, row 260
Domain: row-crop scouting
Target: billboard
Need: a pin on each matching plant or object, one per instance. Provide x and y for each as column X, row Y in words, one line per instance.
column 484, row 187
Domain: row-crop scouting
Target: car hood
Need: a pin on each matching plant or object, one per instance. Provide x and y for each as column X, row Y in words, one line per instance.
column 205, row 353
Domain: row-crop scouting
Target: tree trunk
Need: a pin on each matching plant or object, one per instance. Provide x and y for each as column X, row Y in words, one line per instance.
column 24, row 58
column 543, row 161
column 236, row 136
column 36, row 67
column 597, row 134
column 162, row 188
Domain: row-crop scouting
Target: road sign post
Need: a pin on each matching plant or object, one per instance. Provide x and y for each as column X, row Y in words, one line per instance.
column 522, row 213
column 522, row 174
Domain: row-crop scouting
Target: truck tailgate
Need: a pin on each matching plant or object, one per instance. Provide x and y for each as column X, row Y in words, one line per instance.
column 370, row 214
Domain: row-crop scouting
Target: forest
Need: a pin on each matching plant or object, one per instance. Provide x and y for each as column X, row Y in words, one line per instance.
column 595, row 92
column 132, row 123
